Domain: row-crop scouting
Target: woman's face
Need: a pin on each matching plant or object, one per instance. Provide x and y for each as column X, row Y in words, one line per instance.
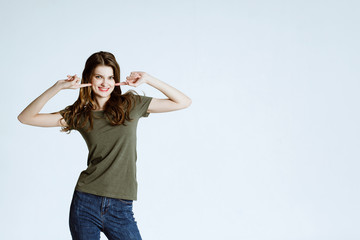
column 103, row 82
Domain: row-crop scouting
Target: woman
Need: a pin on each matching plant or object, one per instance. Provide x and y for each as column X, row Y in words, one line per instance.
column 107, row 120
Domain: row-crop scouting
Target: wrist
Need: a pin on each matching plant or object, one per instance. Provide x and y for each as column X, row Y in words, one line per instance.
column 57, row 86
column 150, row 79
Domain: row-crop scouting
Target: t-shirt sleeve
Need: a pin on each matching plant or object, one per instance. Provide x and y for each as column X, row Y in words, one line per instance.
column 142, row 106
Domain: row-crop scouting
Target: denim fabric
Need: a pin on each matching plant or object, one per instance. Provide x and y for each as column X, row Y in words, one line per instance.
column 90, row 214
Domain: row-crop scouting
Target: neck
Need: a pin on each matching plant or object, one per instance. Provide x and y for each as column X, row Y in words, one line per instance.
column 101, row 103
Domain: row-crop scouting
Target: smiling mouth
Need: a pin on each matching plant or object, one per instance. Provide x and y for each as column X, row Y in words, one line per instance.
column 103, row 89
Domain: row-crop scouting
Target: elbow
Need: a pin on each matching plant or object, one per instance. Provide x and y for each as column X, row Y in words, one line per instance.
column 20, row 119
column 187, row 103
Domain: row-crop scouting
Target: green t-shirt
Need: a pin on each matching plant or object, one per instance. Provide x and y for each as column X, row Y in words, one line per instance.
column 111, row 162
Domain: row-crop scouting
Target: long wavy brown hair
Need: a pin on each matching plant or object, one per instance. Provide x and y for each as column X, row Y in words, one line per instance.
column 117, row 108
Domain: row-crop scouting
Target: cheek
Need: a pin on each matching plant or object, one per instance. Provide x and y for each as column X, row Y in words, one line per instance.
column 112, row 84
column 93, row 83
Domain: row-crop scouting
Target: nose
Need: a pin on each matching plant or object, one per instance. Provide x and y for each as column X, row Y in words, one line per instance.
column 103, row 82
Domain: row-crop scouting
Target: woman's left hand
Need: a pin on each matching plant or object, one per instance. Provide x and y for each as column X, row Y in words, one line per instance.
column 135, row 79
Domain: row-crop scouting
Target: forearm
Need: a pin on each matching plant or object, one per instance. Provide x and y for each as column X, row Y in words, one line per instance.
column 171, row 92
column 35, row 106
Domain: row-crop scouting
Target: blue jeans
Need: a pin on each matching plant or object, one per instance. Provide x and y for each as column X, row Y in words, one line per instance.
column 90, row 214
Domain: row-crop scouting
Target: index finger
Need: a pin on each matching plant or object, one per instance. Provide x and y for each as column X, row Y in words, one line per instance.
column 85, row 85
column 121, row 83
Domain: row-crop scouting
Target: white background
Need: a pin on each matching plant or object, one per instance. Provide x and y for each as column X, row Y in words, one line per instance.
column 268, row 150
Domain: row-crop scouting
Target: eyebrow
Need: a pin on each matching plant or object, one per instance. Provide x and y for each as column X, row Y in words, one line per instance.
column 102, row 75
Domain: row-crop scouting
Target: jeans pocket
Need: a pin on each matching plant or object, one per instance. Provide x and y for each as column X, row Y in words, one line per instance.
column 126, row 201
column 85, row 197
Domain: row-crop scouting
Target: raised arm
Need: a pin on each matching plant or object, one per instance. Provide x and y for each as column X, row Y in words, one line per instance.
column 176, row 99
column 31, row 116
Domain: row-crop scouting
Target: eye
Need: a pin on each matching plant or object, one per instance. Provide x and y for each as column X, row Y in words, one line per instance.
column 97, row 76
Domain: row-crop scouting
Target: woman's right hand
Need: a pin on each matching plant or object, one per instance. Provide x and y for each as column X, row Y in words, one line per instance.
column 72, row 82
